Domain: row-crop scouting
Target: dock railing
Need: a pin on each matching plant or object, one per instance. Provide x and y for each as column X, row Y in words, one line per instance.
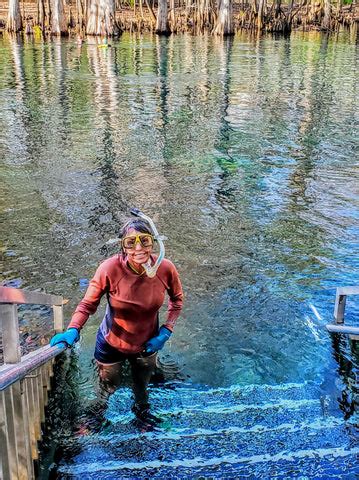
column 24, row 384
column 339, row 309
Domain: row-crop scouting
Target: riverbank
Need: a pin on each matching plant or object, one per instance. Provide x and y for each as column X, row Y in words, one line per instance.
column 275, row 18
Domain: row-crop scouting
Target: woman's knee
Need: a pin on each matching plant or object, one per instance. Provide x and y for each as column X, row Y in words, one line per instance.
column 110, row 375
column 145, row 363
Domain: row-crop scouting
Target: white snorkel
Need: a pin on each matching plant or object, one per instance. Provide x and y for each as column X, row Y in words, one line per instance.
column 151, row 270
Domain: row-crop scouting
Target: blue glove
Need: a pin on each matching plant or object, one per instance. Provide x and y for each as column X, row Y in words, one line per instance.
column 156, row 343
column 69, row 337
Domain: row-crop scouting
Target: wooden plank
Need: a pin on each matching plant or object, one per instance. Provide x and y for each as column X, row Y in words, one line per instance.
column 343, row 329
column 43, row 371
column 48, row 367
column 26, row 429
column 58, row 318
column 20, row 434
column 4, row 450
column 10, row 433
column 37, row 416
column 52, row 368
column 10, row 333
column 31, row 403
column 41, row 396
column 18, row 296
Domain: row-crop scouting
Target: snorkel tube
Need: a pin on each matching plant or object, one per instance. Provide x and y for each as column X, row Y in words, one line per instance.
column 151, row 270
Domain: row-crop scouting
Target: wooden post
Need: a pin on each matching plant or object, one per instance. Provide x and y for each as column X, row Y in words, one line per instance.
column 58, row 318
column 340, row 301
column 10, row 333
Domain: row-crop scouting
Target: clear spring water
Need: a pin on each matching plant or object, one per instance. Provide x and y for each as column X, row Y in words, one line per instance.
column 245, row 153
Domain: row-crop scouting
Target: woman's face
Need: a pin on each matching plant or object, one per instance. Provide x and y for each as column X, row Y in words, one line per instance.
column 138, row 254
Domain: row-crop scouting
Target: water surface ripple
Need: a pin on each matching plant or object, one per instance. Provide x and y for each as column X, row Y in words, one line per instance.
column 245, row 152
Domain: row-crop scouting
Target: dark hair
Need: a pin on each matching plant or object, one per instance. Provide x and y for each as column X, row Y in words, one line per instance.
column 136, row 224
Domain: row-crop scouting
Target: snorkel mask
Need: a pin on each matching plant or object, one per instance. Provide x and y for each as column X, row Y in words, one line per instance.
column 151, row 270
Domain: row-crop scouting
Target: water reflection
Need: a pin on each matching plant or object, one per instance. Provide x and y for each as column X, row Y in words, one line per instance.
column 346, row 354
column 243, row 151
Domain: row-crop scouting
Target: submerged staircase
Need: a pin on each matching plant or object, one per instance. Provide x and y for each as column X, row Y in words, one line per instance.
column 252, row 432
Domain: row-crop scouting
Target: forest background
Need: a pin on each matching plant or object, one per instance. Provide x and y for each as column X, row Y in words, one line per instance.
column 219, row 17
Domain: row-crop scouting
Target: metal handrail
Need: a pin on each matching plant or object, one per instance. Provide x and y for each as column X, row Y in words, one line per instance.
column 343, row 329
column 11, row 373
column 339, row 310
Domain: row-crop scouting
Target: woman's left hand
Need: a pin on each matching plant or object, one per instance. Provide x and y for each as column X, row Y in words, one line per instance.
column 157, row 343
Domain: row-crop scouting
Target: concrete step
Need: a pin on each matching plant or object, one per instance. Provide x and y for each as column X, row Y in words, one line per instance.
column 236, row 432
column 191, row 396
column 324, row 463
column 183, row 397
column 266, row 414
column 180, row 445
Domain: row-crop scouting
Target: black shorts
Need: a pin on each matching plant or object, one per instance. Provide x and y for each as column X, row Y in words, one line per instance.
column 105, row 353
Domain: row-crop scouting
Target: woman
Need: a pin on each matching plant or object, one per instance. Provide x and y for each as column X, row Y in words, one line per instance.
column 130, row 329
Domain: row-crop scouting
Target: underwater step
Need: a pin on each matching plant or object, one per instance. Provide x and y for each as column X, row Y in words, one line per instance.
column 191, row 396
column 213, row 416
column 321, row 464
column 328, row 433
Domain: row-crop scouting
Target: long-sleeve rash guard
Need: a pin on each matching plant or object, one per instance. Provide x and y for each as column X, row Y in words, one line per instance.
column 133, row 302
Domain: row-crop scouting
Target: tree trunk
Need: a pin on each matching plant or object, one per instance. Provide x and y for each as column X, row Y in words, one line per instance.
column 172, row 14
column 224, row 24
column 260, row 14
column 188, row 7
column 48, row 14
column 150, row 9
column 80, row 16
column 202, row 20
column 101, row 17
column 41, row 16
column 58, row 20
column 327, row 14
column 162, row 20
column 14, row 20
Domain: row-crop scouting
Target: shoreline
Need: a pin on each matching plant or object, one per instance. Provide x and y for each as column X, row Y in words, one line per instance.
column 298, row 18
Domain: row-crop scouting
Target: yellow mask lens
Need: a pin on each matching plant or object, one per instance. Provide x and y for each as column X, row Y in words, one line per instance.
column 145, row 239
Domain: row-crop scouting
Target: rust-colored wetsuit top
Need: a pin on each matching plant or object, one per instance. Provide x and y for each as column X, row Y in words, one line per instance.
column 133, row 302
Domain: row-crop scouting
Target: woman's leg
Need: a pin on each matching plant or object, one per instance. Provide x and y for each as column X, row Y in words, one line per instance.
column 110, row 375
column 109, row 362
column 142, row 369
column 94, row 419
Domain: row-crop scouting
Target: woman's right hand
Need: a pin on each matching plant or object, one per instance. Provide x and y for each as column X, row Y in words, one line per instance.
column 69, row 337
